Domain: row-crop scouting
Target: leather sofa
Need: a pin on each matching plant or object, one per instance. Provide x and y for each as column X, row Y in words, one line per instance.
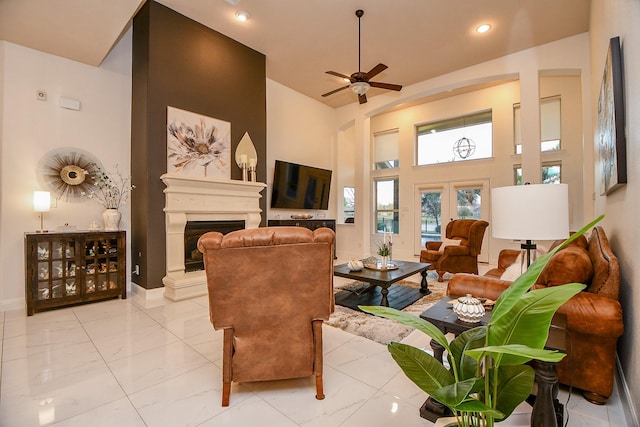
column 594, row 316
column 270, row 289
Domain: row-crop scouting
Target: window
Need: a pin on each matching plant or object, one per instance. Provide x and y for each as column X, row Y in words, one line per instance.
column 387, row 206
column 454, row 140
column 349, row 205
column 550, row 173
column 549, row 125
column 385, row 147
column 517, row 175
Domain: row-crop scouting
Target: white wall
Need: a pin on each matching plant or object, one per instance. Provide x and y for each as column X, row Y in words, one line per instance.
column 611, row 18
column 299, row 130
column 32, row 128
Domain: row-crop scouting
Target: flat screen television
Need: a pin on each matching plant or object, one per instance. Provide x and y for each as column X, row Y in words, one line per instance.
column 300, row 187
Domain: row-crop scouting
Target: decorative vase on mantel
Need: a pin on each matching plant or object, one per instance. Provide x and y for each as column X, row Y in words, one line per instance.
column 111, row 218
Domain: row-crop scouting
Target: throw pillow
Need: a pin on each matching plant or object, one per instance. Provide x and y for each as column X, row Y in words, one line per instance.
column 449, row 242
column 515, row 270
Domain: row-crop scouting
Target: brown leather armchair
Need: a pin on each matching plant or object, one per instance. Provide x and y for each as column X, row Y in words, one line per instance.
column 270, row 289
column 456, row 259
column 594, row 316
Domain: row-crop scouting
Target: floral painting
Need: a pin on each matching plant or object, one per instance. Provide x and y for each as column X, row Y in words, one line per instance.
column 198, row 145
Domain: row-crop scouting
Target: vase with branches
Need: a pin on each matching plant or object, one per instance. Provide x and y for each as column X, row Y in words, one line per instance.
column 112, row 191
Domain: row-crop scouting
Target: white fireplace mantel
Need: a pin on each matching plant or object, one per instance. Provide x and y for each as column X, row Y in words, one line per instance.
column 190, row 198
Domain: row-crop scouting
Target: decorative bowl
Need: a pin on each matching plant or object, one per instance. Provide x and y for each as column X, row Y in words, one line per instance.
column 468, row 309
column 355, row 265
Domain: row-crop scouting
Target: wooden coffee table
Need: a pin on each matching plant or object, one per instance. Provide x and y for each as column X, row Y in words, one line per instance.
column 384, row 279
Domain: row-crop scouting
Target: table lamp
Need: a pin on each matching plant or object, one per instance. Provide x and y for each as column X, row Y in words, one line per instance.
column 41, row 204
column 530, row 212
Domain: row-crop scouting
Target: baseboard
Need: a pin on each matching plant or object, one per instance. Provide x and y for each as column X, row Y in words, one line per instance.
column 138, row 292
column 626, row 402
column 12, row 304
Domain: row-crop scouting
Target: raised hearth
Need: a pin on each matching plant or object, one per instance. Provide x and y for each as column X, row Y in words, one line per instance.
column 189, row 198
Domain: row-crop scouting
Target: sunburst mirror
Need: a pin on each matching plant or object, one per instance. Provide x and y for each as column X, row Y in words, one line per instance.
column 67, row 172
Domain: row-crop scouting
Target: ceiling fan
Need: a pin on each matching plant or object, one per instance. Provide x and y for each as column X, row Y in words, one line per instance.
column 359, row 82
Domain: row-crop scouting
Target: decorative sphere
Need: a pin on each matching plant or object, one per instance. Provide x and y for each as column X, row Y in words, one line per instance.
column 464, row 147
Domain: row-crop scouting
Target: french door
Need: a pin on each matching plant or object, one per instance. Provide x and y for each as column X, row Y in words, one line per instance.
column 439, row 203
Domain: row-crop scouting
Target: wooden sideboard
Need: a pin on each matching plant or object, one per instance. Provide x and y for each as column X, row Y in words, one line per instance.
column 64, row 269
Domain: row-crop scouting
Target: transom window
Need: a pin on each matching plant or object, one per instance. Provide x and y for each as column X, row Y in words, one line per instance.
column 385, row 148
column 550, row 122
column 453, row 140
column 551, row 173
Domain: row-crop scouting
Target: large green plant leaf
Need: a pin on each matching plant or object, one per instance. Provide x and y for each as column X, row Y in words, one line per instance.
column 421, row 368
column 523, row 351
column 467, row 367
column 514, row 386
column 529, row 320
column 408, row 320
column 456, row 393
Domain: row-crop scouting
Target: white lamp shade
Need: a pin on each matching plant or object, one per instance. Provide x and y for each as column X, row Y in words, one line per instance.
column 530, row 212
column 41, row 201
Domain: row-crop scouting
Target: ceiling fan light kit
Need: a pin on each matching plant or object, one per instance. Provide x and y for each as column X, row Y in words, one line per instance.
column 359, row 82
column 359, row 88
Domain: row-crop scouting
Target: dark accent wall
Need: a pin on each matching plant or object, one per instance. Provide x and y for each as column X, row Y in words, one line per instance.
column 180, row 63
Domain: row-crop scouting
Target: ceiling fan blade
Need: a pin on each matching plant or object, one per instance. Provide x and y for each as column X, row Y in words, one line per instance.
column 362, row 99
column 375, row 71
column 342, row 76
column 388, row 86
column 336, row 90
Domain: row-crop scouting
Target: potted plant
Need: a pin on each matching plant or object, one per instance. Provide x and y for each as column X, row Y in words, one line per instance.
column 488, row 375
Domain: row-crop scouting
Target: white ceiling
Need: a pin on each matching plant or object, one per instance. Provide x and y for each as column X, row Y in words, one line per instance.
column 416, row 39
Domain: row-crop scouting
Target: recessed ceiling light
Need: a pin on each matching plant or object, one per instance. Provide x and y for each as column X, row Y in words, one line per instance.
column 242, row 15
column 483, row 28
column 232, row 2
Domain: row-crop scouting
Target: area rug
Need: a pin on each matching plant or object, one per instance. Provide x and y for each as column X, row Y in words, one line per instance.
column 379, row 329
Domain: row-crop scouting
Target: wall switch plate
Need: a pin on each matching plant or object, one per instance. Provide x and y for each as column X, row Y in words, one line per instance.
column 41, row 95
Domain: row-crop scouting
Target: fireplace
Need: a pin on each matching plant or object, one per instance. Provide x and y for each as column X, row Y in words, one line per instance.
column 190, row 199
column 192, row 232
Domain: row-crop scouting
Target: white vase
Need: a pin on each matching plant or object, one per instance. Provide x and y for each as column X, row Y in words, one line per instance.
column 111, row 218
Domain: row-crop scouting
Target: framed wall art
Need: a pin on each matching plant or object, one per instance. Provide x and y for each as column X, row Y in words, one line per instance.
column 198, row 145
column 612, row 147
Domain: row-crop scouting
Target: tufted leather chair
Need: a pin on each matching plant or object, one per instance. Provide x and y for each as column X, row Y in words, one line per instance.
column 594, row 316
column 456, row 259
column 270, row 289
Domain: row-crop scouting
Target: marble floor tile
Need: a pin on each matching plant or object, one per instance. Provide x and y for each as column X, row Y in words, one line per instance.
column 365, row 360
column 152, row 367
column 119, row 413
column 129, row 364
column 250, row 412
column 185, row 400
column 296, row 398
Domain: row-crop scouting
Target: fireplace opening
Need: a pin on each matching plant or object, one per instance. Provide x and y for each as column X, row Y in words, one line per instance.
column 192, row 232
